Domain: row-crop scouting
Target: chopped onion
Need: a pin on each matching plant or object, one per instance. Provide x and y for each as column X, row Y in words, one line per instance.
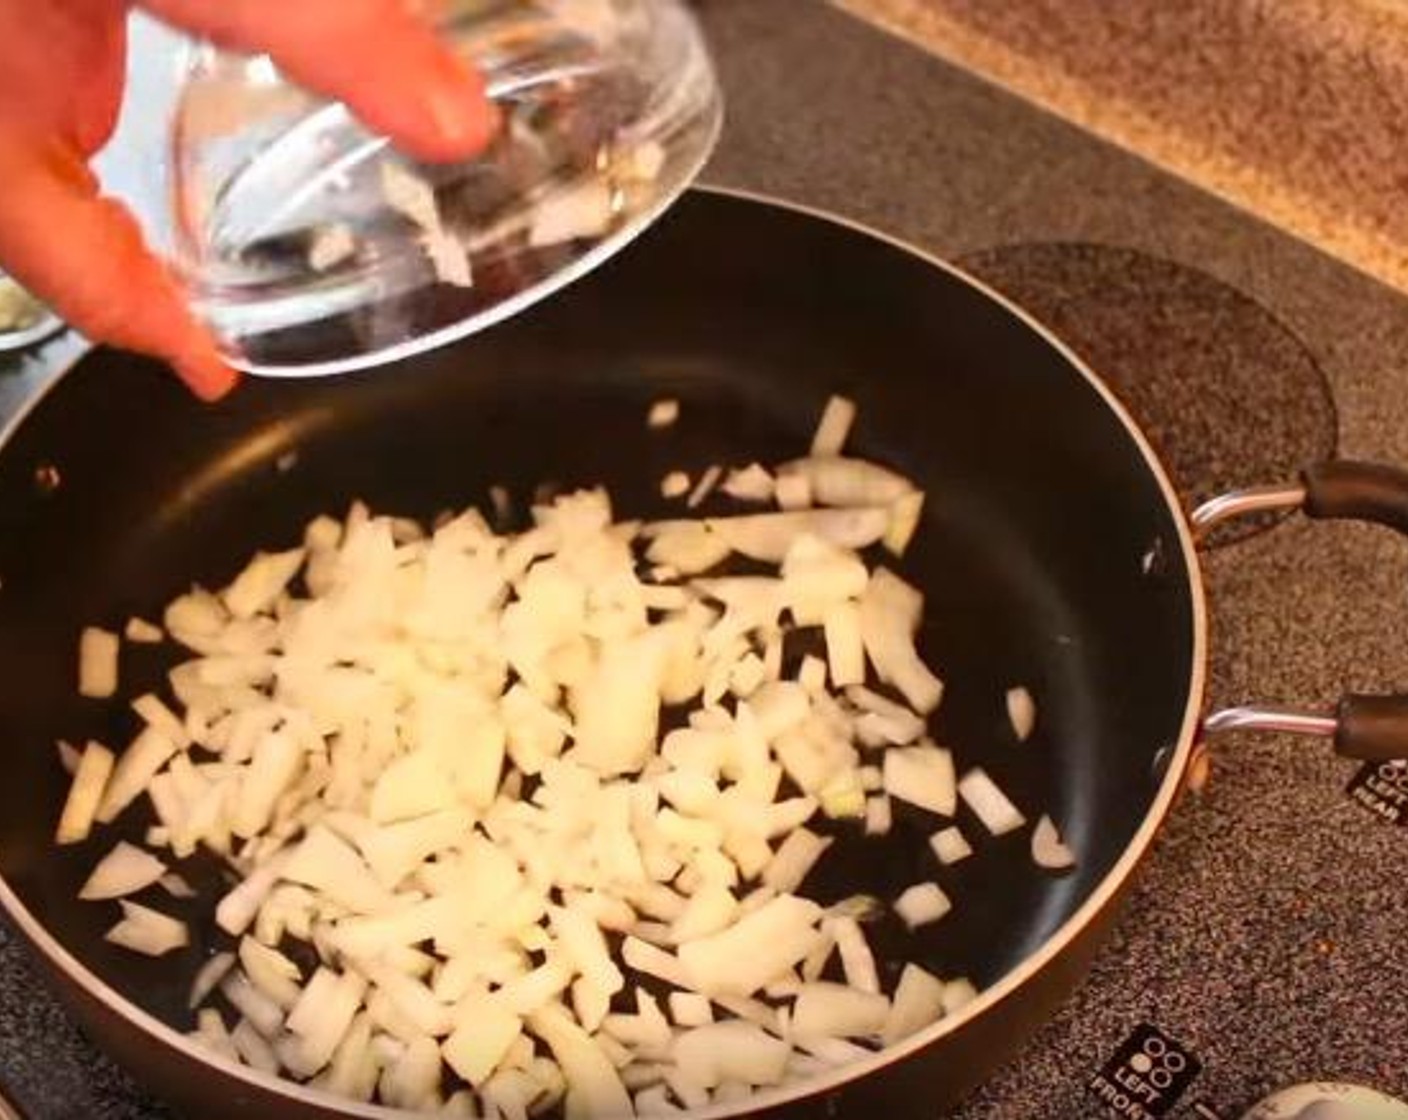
column 618, row 709
column 889, row 614
column 1048, row 849
column 663, row 413
column 793, row 492
column 582, row 211
column 653, row 961
column 449, row 257
column 323, row 1013
column 590, row 1004
column 655, row 1101
column 834, row 481
column 434, row 757
column 85, row 794
column 895, row 723
column 211, row 1033
column 692, row 1094
column 410, row 195
column 125, row 870
column 329, row 864
column 687, row 546
column 69, row 756
column 582, row 942
column 411, row 786
column 176, row 886
column 142, row 632
column 919, row 1001
column 647, row 1032
column 826, row 1010
column 832, row 1051
column 208, row 978
column 262, row 581
column 1021, row 712
column 812, row 675
column 156, row 715
column 332, row 244
column 274, row 767
column 146, row 931
column 857, row 961
column 950, row 846
column 753, row 483
column 674, row 485
column 97, row 663
column 731, row 1051
column 593, row 1085
column 134, row 771
column 923, row 776
column 958, row 994
column 689, row 1009
column 922, row 904
column 794, row 859
column 878, row 816
column 834, row 428
column 413, row 1080
column 254, row 1005
column 704, row 487
column 236, row 910
column 768, row 536
column 711, row 909
column 755, row 950
column 845, row 651
column 253, row 1050
column 904, row 522
column 270, row 972
column 989, row 804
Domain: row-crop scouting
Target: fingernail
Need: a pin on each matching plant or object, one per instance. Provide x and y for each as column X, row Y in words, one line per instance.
column 211, row 390
column 459, row 111
column 209, row 378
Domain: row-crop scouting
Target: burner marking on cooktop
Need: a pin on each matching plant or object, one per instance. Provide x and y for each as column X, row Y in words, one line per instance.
column 1227, row 393
column 1146, row 1075
column 1382, row 788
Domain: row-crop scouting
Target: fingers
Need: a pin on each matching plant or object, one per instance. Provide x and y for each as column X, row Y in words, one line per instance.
column 84, row 256
column 61, row 67
column 375, row 55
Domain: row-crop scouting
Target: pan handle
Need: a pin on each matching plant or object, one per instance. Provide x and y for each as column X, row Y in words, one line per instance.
column 1371, row 728
column 8, row 1109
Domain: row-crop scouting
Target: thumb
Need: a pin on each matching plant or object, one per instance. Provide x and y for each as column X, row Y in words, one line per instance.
column 84, row 256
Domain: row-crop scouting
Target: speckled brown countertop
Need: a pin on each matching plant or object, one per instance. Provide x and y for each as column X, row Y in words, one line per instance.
column 1294, row 109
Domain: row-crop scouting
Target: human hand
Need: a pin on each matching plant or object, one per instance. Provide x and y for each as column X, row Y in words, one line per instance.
column 61, row 75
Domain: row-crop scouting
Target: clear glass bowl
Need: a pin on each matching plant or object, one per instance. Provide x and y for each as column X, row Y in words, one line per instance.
column 312, row 246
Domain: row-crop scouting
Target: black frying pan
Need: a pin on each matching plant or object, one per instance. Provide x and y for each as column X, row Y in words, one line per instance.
column 1052, row 554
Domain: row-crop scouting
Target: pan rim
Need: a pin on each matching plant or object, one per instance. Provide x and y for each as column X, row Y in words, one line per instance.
column 1094, row 905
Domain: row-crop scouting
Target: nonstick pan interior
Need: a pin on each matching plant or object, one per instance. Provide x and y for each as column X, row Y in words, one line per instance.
column 1048, row 554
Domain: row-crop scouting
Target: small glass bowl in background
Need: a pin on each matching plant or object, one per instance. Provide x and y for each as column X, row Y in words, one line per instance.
column 24, row 321
column 312, row 246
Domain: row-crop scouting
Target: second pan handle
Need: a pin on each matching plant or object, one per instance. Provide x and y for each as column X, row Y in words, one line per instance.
column 1372, row 728
column 1344, row 490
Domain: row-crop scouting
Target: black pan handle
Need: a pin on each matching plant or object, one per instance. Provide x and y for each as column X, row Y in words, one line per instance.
column 1374, row 728
column 8, row 1109
column 1348, row 491
column 1371, row 728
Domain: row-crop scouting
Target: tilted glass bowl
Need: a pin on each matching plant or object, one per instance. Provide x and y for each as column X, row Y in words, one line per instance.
column 311, row 245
